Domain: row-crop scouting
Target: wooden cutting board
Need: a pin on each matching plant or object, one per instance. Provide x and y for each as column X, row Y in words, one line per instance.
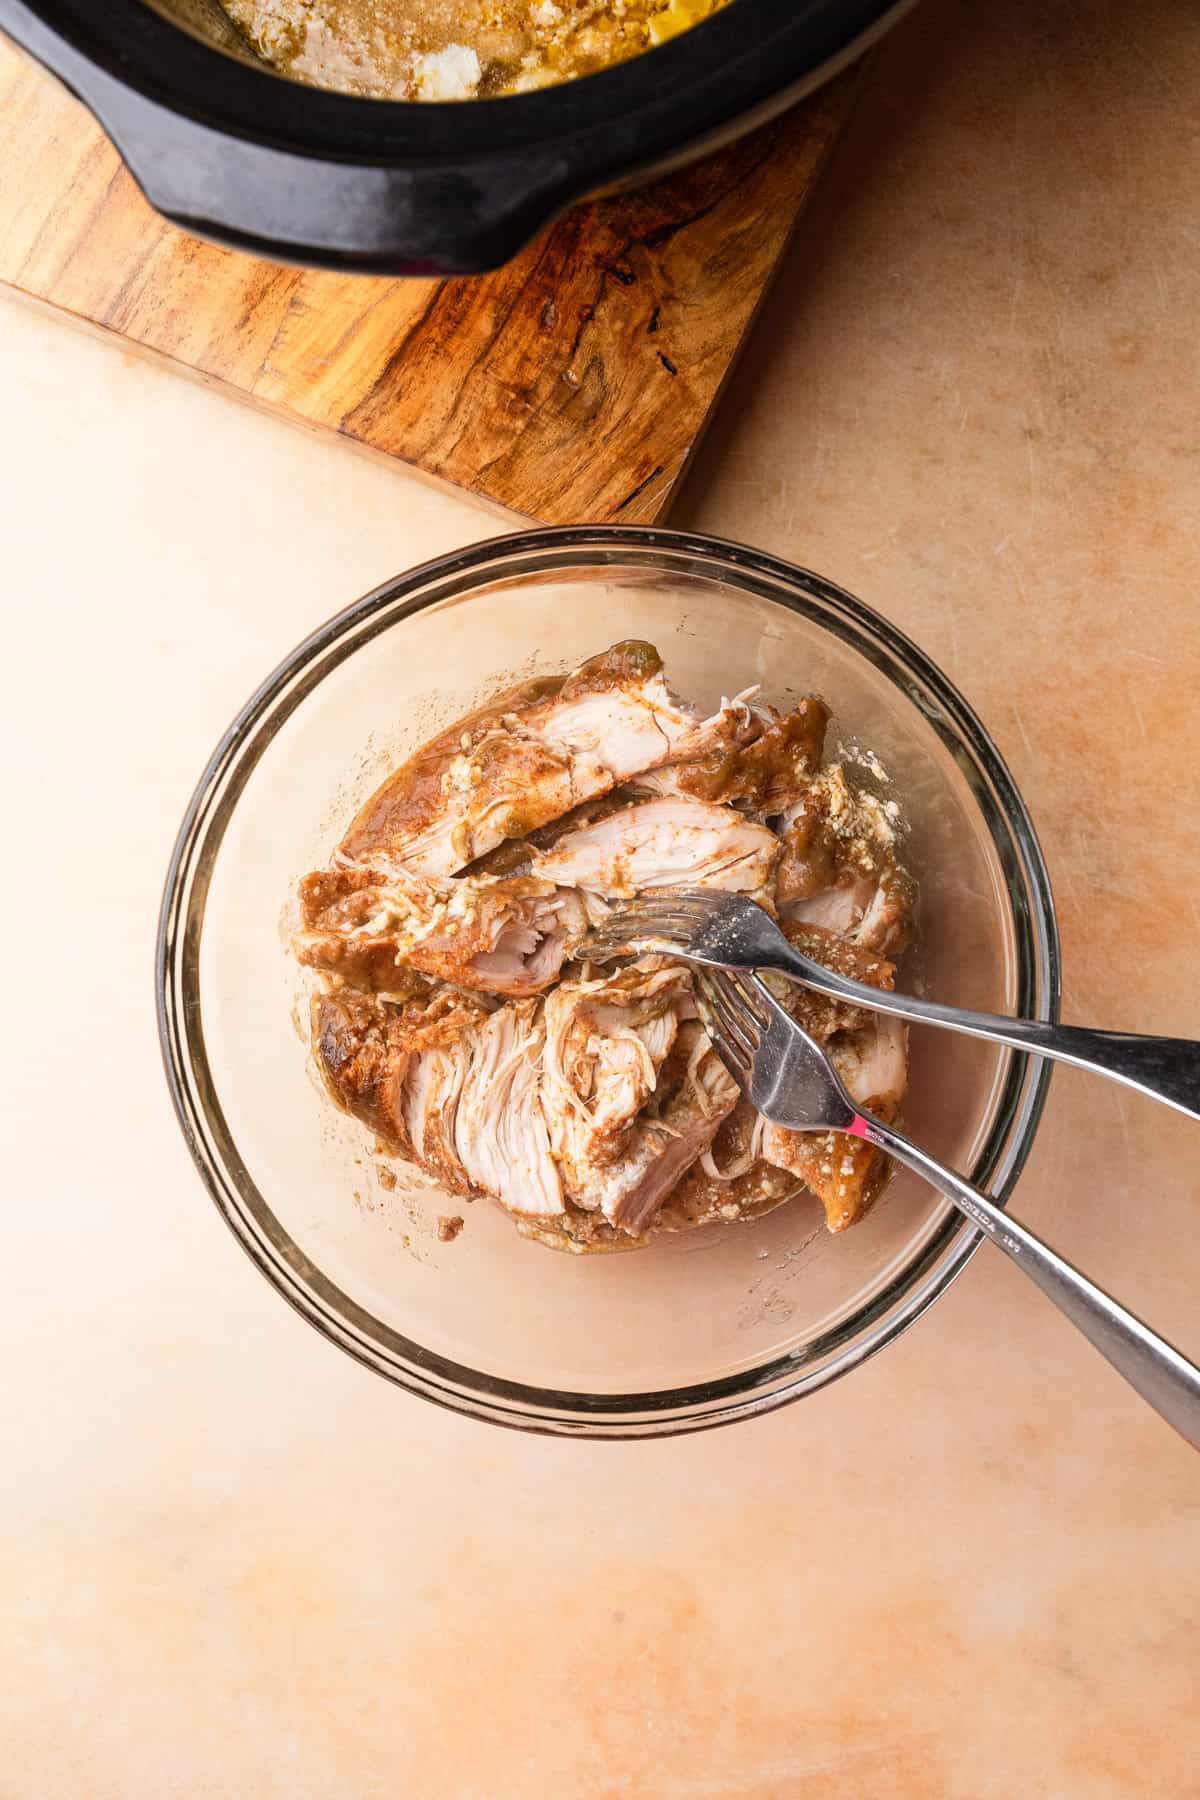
column 571, row 386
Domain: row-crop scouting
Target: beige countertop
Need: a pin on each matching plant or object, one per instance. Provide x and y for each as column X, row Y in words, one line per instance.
column 233, row 1562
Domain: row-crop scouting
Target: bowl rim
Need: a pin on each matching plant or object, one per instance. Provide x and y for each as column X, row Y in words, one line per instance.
column 542, row 552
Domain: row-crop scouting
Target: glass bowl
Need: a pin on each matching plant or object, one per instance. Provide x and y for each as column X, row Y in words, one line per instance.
column 697, row 1330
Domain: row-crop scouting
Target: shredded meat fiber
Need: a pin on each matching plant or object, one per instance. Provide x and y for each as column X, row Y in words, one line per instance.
column 458, row 1016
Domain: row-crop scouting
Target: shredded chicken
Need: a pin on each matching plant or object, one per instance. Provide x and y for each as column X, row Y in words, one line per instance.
column 694, row 1096
column 730, row 1180
column 664, row 844
column 500, row 1126
column 506, row 935
column 766, row 774
column 459, row 1019
column 838, row 869
column 606, row 1041
column 449, row 1085
column 529, row 757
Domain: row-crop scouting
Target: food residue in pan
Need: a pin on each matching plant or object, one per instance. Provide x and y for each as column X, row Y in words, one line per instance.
column 450, row 49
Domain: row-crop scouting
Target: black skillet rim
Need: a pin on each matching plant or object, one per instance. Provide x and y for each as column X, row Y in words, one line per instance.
column 692, row 86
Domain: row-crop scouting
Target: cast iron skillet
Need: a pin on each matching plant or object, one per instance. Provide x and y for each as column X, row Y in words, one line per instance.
column 301, row 174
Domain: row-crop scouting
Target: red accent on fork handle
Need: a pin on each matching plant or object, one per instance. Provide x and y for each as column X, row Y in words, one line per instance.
column 857, row 1127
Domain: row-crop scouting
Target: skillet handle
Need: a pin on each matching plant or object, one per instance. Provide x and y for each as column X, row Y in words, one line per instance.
column 428, row 219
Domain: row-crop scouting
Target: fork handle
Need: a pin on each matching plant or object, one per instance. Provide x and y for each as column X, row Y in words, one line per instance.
column 1164, row 1378
column 1167, row 1069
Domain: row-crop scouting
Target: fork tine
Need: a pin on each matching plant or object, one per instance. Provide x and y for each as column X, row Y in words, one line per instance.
column 614, row 930
column 689, row 900
column 691, row 920
column 665, row 922
column 734, row 1024
column 707, row 898
column 661, row 924
column 632, row 925
column 750, row 992
column 619, row 941
column 668, row 908
column 600, row 950
column 695, row 899
column 669, row 913
column 732, row 1055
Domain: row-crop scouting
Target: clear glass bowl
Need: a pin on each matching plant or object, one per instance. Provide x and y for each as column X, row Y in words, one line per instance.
column 696, row 1330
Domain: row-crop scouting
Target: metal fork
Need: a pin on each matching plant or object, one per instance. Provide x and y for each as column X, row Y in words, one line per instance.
column 731, row 931
column 786, row 1075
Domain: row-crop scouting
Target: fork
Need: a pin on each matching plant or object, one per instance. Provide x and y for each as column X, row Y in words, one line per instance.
column 785, row 1074
column 732, row 931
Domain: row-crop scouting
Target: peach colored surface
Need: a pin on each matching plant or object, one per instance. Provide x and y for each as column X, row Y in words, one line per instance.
column 234, row 1563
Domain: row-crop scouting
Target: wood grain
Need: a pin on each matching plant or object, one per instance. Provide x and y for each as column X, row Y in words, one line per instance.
column 572, row 385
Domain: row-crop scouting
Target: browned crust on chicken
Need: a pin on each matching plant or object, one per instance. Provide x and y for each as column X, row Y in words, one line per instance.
column 844, row 1173
column 505, row 935
column 412, row 796
column 628, row 664
column 839, row 867
column 361, row 1062
column 364, row 1046
column 506, row 756
column 814, row 857
column 765, row 775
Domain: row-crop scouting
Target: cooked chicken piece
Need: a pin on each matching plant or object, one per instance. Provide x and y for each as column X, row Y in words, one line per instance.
column 366, row 1047
column 839, row 869
column 845, row 1172
column 515, row 855
column 873, row 911
column 694, row 1094
column 728, row 1180
column 600, row 1114
column 474, row 1117
column 869, row 1053
column 526, row 758
column 743, row 1189
column 766, row 774
column 664, row 844
column 887, row 919
column 606, row 1041
column 508, row 935
column 500, row 1126
column 360, row 1059
column 853, row 1035
column 873, row 1063
column 450, row 1086
column 821, row 1016
column 432, row 1087
column 473, row 1114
